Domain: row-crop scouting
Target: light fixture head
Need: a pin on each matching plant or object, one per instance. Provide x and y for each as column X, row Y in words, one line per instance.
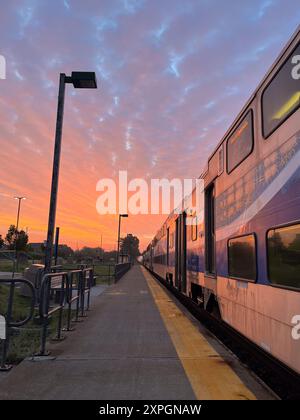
column 84, row 79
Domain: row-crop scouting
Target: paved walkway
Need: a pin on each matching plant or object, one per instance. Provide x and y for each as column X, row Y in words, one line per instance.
column 135, row 344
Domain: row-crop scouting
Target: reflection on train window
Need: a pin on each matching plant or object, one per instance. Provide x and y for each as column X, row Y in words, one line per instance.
column 284, row 256
column 240, row 143
column 281, row 98
column 194, row 229
column 242, row 257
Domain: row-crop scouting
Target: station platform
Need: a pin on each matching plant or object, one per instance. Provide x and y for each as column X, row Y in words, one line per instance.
column 138, row 343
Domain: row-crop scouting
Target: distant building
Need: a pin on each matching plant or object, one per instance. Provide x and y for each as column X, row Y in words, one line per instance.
column 37, row 246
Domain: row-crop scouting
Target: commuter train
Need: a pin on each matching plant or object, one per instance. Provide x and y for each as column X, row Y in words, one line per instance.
column 240, row 259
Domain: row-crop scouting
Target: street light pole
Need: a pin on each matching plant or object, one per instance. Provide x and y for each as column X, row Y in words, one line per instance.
column 119, row 231
column 19, row 208
column 56, row 245
column 15, row 265
column 55, row 171
column 79, row 80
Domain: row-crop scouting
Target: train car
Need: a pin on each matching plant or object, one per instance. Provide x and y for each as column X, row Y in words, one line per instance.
column 240, row 259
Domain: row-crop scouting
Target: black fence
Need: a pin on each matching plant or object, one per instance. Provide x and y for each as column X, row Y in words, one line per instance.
column 121, row 269
column 61, row 294
column 105, row 272
column 110, row 273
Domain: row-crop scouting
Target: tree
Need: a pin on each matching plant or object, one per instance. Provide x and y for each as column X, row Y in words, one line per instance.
column 88, row 254
column 64, row 251
column 16, row 239
column 130, row 246
column 295, row 245
column 1, row 242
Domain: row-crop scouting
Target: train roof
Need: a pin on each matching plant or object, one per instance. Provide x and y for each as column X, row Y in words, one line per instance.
column 272, row 67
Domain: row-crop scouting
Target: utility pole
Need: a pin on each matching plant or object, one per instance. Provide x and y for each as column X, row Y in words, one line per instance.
column 119, row 231
column 79, row 80
column 56, row 245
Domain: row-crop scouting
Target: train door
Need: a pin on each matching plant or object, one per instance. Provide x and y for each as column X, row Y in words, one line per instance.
column 177, row 253
column 168, row 247
column 151, row 258
column 180, row 253
column 210, row 263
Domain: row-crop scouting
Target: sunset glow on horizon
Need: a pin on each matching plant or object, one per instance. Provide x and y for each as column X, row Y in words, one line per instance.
column 172, row 76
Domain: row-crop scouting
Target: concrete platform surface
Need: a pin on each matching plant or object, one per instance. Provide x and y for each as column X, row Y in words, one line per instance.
column 135, row 344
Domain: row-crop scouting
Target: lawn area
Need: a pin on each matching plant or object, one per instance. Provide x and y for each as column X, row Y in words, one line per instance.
column 7, row 266
column 104, row 272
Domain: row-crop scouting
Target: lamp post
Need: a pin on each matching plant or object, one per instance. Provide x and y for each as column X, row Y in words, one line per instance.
column 19, row 208
column 119, row 230
column 56, row 245
column 15, row 266
column 81, row 80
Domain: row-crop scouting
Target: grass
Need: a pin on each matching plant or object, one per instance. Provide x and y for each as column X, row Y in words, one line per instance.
column 104, row 272
column 7, row 266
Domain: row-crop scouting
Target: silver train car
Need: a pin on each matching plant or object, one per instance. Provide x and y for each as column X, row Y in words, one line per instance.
column 240, row 259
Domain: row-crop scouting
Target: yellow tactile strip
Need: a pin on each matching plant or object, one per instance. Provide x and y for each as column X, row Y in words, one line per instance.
column 210, row 376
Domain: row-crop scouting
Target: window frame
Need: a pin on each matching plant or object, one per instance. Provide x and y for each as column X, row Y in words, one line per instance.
column 256, row 262
column 248, row 111
column 278, row 286
column 221, row 151
column 265, row 137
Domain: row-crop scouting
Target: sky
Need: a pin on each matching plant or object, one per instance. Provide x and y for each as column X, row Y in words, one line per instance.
column 172, row 76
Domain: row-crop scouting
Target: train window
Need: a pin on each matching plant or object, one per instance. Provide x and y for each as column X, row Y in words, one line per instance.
column 284, row 256
column 281, row 98
column 221, row 160
column 240, row 143
column 242, row 257
column 194, row 229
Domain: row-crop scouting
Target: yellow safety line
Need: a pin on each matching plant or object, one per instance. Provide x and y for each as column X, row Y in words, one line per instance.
column 209, row 374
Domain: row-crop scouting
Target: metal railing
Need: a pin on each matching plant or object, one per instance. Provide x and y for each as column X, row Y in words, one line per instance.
column 8, row 316
column 74, row 284
column 121, row 270
column 59, row 293
column 79, row 281
column 87, row 282
column 56, row 268
column 56, row 294
column 52, row 282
